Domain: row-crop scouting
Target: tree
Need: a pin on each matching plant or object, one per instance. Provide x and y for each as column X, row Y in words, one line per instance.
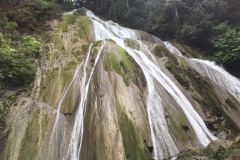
column 227, row 46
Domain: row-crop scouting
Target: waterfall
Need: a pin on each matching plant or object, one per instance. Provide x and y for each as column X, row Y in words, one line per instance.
column 58, row 113
column 211, row 70
column 218, row 75
column 162, row 140
column 75, row 143
column 109, row 30
column 58, row 123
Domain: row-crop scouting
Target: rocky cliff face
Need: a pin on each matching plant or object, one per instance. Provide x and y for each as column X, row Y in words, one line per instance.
column 106, row 92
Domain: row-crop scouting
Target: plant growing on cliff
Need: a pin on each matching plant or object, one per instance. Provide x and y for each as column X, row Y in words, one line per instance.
column 17, row 68
column 227, row 46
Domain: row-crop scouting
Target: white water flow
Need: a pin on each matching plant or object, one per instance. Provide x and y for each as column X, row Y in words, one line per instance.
column 157, row 121
column 109, row 30
column 172, row 49
column 218, row 75
column 58, row 113
column 163, row 144
column 75, row 144
column 211, row 70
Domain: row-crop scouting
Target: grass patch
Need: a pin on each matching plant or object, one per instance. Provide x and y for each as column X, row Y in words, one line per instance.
column 66, row 21
column 82, row 23
column 85, row 27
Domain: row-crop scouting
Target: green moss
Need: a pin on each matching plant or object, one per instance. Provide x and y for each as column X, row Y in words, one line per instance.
column 30, row 146
column 56, row 80
column 132, row 43
column 189, row 51
column 66, row 21
column 178, row 70
column 134, row 146
column 120, row 63
column 31, row 142
column 6, row 100
column 85, row 27
column 202, row 92
column 95, row 49
column 82, row 24
column 160, row 50
column 68, row 104
column 68, row 72
column 179, row 126
column 215, row 151
column 48, row 86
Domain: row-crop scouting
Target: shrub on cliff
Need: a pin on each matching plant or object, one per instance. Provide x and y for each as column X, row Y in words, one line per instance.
column 17, row 66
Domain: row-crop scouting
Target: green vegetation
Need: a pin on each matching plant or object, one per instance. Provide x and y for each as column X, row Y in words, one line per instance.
column 37, row 127
column 21, row 26
column 227, row 46
column 211, row 26
column 85, row 27
column 219, row 150
column 120, row 63
column 178, row 70
column 6, row 100
column 203, row 92
column 30, row 142
column 17, row 67
column 228, row 50
column 179, row 125
column 66, row 21
column 132, row 43
column 20, row 22
column 134, row 146
column 82, row 22
column 29, row 15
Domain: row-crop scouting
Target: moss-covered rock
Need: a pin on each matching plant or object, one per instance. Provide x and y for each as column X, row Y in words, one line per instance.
column 132, row 43
column 203, row 92
column 6, row 100
column 82, row 25
column 218, row 150
column 189, row 51
column 117, row 59
column 179, row 70
column 134, row 145
column 120, row 62
column 37, row 126
column 160, row 50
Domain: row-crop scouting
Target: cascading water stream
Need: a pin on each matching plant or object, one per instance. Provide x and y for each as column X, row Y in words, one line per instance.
column 211, row 70
column 75, row 144
column 58, row 113
column 218, row 75
column 109, row 30
column 159, row 130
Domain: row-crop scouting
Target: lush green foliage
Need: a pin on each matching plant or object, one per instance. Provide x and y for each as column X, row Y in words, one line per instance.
column 19, row 49
column 17, row 67
column 228, row 50
column 20, row 23
column 27, row 14
column 228, row 46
